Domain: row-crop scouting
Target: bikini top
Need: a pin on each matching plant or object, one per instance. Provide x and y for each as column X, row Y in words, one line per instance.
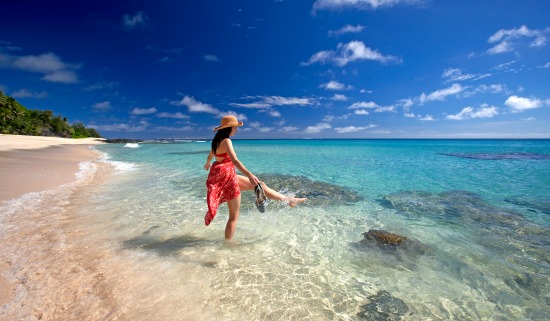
column 224, row 155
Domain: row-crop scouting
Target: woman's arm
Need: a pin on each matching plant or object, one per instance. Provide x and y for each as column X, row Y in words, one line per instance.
column 253, row 179
column 208, row 161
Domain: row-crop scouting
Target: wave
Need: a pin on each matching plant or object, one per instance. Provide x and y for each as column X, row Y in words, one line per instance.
column 131, row 145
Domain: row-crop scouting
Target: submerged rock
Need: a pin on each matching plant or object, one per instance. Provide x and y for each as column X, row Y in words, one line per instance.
column 532, row 203
column 383, row 307
column 405, row 249
column 384, row 238
column 318, row 193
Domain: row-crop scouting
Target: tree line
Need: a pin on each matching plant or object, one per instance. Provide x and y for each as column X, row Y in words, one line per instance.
column 15, row 119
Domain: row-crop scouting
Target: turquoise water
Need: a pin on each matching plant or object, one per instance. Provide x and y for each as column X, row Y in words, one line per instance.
column 476, row 214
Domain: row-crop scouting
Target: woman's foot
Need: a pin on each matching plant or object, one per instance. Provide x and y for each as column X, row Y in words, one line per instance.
column 293, row 201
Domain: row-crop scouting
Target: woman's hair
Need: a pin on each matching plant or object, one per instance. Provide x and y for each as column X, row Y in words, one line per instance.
column 221, row 134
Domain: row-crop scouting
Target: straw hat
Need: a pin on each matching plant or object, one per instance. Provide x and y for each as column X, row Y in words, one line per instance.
column 228, row 121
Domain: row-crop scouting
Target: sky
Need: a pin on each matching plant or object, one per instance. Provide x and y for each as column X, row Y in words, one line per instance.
column 286, row 68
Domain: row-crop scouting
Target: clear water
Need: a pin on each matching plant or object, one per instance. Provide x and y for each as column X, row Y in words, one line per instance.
column 479, row 230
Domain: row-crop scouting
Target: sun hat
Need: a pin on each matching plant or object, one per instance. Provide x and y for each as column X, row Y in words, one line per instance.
column 228, row 121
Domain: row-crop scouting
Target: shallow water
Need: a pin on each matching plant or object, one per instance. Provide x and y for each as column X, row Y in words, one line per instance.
column 479, row 229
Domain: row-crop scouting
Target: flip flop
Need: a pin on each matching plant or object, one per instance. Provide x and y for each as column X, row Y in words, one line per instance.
column 261, row 199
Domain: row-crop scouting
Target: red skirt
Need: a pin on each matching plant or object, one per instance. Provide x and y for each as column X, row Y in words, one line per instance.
column 222, row 185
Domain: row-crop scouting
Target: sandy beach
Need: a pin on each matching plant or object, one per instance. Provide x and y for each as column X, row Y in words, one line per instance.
column 31, row 164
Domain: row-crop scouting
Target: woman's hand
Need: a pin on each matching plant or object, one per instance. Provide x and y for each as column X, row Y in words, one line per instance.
column 253, row 179
column 207, row 166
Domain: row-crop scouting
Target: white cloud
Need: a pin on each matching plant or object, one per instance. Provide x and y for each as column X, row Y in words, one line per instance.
column 269, row 101
column 25, row 93
column 455, row 74
column 364, row 104
column 358, row 4
column 547, row 65
column 143, row 111
column 289, row 129
column 352, row 129
column 350, row 52
column 195, row 106
column 441, row 94
column 335, row 85
column 48, row 64
column 361, row 112
column 385, row 109
column 346, row 29
column 102, row 106
column 508, row 39
column 485, row 111
column 520, row 104
column 409, row 115
column 427, row 118
column 338, row 97
column 177, row 115
column 120, row 127
column 274, row 113
column 317, row 128
column 139, row 19
column 211, row 58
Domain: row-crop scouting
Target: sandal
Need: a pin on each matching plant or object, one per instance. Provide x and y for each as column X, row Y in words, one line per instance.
column 261, row 199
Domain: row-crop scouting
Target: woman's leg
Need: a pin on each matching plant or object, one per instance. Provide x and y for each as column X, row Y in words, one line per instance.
column 234, row 206
column 244, row 184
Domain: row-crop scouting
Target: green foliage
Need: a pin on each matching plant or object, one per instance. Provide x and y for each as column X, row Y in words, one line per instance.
column 18, row 120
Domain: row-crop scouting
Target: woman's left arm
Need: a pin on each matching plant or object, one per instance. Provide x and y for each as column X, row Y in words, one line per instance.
column 208, row 161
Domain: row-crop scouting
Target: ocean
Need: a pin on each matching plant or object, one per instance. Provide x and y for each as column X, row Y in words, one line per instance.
column 473, row 216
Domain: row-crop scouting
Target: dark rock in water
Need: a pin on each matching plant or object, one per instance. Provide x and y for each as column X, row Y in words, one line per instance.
column 405, row 249
column 499, row 156
column 318, row 193
column 384, row 238
column 531, row 203
column 383, row 307
column 122, row 141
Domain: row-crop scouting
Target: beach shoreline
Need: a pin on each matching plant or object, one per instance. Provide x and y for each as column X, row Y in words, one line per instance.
column 30, row 168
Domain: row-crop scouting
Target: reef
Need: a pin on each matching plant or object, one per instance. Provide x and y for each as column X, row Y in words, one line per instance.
column 383, row 307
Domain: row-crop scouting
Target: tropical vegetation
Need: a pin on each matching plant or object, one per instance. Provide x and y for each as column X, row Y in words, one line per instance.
column 17, row 120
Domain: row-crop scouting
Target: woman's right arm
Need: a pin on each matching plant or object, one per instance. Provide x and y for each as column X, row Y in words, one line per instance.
column 253, row 179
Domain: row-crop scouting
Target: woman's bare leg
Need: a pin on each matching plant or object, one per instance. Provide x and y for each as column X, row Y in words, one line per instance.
column 234, row 206
column 244, row 184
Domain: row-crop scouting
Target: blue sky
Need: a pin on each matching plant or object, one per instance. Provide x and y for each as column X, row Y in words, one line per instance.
column 287, row 68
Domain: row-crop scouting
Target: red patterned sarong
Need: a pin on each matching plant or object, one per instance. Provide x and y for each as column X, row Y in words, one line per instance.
column 222, row 185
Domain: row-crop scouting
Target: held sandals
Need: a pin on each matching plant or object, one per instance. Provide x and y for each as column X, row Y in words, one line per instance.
column 261, row 199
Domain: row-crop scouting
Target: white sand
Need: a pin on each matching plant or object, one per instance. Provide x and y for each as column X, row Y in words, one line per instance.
column 11, row 142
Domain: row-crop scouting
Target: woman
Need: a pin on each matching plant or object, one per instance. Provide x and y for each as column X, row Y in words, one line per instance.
column 223, row 183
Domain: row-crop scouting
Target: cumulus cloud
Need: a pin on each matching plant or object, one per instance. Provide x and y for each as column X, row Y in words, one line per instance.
column 520, row 104
column 361, row 112
column 508, row 39
column 346, row 29
column 442, row 94
column 317, row 128
column 338, row 97
column 195, row 106
column 485, row 111
column 120, row 127
column 335, row 85
column 211, row 58
column 25, row 93
column 364, row 104
column 139, row 19
column 143, row 111
column 102, row 106
column 289, row 129
column 350, row 52
column 48, row 64
column 358, row 4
